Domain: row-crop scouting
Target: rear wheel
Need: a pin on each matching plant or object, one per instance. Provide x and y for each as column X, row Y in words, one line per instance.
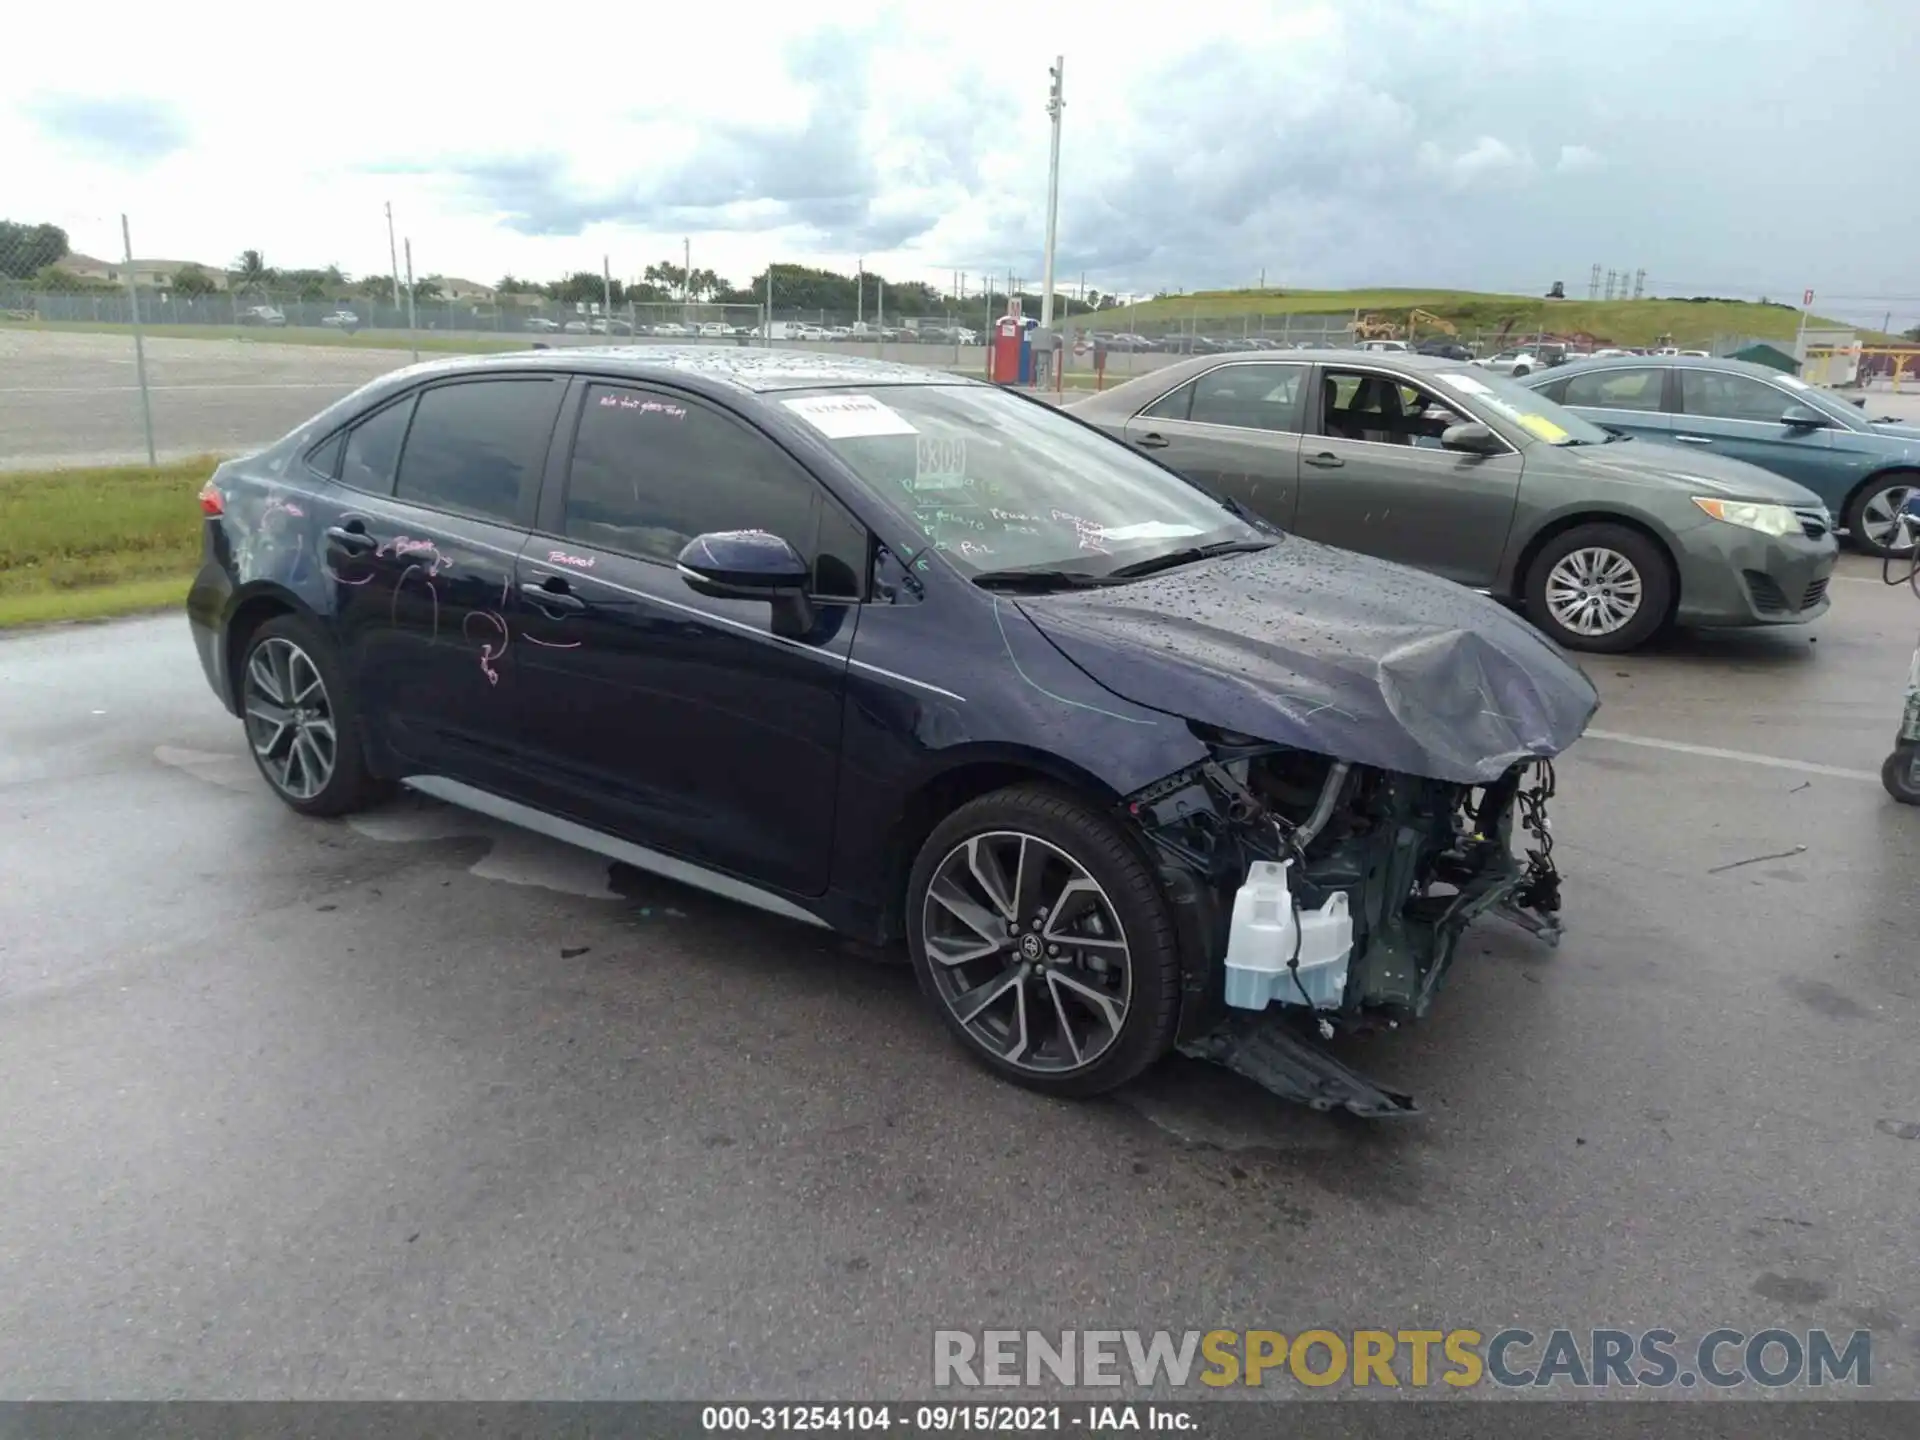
column 1599, row 587
column 302, row 726
column 1901, row 774
column 1042, row 937
column 1873, row 515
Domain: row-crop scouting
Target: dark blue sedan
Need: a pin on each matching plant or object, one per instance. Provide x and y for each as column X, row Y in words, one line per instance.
column 907, row 656
column 1863, row 469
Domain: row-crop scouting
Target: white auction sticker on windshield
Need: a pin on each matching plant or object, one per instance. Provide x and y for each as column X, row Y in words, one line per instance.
column 848, row 417
column 939, row 463
column 1465, row 384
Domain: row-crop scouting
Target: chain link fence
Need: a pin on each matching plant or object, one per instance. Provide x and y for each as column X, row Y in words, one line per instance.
column 106, row 357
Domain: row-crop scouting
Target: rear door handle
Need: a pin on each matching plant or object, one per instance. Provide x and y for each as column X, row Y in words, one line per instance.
column 1326, row 460
column 354, row 542
column 563, row 601
column 1152, row 441
column 1693, row 439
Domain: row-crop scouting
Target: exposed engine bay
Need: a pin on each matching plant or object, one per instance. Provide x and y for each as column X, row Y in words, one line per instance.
column 1414, row 860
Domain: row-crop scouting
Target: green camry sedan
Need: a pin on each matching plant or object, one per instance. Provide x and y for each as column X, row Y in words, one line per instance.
column 1602, row 540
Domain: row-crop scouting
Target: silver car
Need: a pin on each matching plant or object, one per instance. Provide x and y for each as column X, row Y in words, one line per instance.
column 1438, row 464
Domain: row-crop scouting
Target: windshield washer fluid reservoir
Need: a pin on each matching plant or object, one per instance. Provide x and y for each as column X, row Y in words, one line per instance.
column 1261, row 943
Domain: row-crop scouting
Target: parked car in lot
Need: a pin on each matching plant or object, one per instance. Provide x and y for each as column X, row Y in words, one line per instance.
column 341, row 320
column 1512, row 362
column 1863, row 470
column 747, row 619
column 262, row 315
column 1443, row 466
column 609, row 325
column 540, row 324
column 576, row 327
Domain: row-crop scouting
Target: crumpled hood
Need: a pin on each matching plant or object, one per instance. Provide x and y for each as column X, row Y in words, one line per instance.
column 1332, row 652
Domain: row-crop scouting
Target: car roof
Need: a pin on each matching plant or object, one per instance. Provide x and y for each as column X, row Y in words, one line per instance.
column 1683, row 362
column 739, row 368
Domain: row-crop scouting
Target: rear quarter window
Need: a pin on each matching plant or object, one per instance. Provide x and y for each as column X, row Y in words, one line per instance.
column 477, row 447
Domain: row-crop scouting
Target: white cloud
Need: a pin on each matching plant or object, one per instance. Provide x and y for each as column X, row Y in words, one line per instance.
column 1318, row 141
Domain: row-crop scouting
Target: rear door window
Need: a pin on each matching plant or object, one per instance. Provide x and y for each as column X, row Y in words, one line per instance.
column 1251, row 397
column 1634, row 389
column 373, row 449
column 477, row 447
column 1174, row 405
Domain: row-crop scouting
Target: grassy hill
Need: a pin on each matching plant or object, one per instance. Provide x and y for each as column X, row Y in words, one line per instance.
column 1624, row 322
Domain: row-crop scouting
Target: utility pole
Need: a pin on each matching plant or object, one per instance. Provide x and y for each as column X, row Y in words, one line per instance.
column 412, row 337
column 1593, row 282
column 1055, row 104
column 1639, row 282
column 606, row 293
column 686, row 277
column 139, row 345
column 860, row 290
column 393, row 256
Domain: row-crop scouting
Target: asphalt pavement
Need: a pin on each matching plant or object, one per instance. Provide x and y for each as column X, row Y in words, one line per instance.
column 415, row 1105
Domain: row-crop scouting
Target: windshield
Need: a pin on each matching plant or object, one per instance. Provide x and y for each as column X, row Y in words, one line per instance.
column 1517, row 405
column 998, row 483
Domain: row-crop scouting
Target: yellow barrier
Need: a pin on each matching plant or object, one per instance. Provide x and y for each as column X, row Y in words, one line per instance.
column 1821, row 357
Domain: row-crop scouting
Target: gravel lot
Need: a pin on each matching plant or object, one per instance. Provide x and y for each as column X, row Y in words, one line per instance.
column 417, row 1105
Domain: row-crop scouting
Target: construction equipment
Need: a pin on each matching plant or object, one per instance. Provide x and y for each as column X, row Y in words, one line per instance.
column 1417, row 318
column 1372, row 327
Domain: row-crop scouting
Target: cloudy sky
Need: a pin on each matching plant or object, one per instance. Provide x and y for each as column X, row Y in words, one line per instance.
column 1724, row 146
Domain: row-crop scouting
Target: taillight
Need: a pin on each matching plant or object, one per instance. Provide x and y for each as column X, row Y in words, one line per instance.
column 211, row 502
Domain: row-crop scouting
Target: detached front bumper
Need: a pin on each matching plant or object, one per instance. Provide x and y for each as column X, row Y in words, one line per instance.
column 1737, row 577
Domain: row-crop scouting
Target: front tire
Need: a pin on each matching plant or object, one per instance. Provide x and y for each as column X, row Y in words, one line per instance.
column 1873, row 515
column 1043, row 939
column 302, row 726
column 1901, row 774
column 1601, row 588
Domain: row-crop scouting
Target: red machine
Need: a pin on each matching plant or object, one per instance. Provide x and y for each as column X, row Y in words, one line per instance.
column 1009, row 352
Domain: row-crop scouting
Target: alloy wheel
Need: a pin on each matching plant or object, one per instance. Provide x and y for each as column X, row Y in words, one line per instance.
column 289, row 718
column 1594, row 591
column 1027, row 952
column 1880, row 516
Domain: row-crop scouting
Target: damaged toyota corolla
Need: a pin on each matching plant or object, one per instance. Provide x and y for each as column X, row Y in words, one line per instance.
column 904, row 655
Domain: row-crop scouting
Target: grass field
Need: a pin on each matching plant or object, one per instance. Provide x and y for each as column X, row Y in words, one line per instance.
column 77, row 544
column 1625, row 322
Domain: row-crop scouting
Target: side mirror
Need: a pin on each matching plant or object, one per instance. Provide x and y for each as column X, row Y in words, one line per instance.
column 751, row 565
column 1471, row 438
column 1804, row 417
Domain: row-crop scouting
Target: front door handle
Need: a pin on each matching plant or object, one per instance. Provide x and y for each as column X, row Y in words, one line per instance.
column 1693, row 439
column 562, row 601
column 1151, row 441
column 1326, row 460
column 354, row 542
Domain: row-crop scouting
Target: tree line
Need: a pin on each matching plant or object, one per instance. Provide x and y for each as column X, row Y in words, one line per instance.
column 33, row 254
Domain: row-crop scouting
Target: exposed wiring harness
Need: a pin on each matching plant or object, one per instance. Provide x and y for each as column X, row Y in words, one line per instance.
column 1541, row 891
